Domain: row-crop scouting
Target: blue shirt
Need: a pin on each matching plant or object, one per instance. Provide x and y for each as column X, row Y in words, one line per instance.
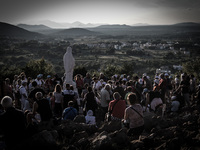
column 69, row 113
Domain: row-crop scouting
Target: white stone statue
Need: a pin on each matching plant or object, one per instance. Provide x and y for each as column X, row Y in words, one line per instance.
column 69, row 63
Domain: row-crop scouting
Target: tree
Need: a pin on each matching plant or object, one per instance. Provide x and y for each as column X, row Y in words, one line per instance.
column 80, row 70
column 192, row 67
column 35, row 67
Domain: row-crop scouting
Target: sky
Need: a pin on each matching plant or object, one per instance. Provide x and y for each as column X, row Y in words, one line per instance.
column 154, row 12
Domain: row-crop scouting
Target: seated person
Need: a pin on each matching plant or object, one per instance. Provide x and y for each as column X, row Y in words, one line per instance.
column 154, row 101
column 175, row 104
column 70, row 112
column 90, row 119
column 134, row 115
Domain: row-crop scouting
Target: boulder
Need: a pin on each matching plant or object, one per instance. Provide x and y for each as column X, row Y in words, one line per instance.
column 102, row 141
column 79, row 119
column 111, row 126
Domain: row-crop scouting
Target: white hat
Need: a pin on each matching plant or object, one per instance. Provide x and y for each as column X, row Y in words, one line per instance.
column 166, row 74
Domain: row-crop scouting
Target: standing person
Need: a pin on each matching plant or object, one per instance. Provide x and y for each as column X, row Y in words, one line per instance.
column 117, row 106
column 41, row 106
column 119, row 89
column 89, row 101
column 134, row 114
column 8, row 88
column 192, row 86
column 38, row 80
column 96, row 86
column 68, row 95
column 185, row 86
column 13, row 124
column 48, row 84
column 162, row 86
column 35, row 89
column 147, row 83
column 87, row 79
column 24, row 97
column 58, row 100
column 79, row 84
column 105, row 99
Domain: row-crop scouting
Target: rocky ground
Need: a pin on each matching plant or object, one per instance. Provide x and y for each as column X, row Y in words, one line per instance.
column 175, row 131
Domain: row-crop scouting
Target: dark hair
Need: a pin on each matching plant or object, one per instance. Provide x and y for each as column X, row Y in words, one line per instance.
column 70, row 103
column 58, row 88
column 132, row 98
column 89, row 89
column 34, row 83
column 67, row 85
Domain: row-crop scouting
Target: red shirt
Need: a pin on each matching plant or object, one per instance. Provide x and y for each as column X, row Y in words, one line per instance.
column 119, row 108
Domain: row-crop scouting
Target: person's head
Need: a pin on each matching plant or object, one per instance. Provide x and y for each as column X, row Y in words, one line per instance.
column 6, row 102
column 144, row 78
column 90, row 113
column 86, row 85
column 34, row 83
column 71, row 87
column 7, row 80
column 78, row 77
column 132, row 98
column 24, row 83
column 50, row 94
column 145, row 90
column 89, row 89
column 161, row 75
column 107, row 87
column 117, row 83
column 49, row 77
column 88, row 75
column 39, row 95
column 95, row 79
column 67, row 86
column 58, row 88
column 116, row 96
column 70, row 103
column 129, row 88
column 15, row 77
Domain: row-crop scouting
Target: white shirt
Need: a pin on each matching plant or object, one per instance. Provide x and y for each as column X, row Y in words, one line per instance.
column 104, row 97
column 155, row 102
column 58, row 97
column 39, row 82
column 23, row 91
column 97, row 85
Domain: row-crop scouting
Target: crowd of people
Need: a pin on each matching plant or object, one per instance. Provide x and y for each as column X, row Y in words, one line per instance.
column 26, row 102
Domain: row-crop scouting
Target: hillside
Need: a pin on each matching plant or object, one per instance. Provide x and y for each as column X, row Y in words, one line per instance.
column 75, row 32
column 149, row 30
column 8, row 30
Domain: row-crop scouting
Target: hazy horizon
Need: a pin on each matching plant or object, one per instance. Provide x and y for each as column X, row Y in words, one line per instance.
column 129, row 12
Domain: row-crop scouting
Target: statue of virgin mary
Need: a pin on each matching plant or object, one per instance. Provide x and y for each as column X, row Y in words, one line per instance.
column 69, row 63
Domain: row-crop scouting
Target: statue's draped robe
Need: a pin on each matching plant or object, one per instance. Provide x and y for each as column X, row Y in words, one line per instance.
column 69, row 63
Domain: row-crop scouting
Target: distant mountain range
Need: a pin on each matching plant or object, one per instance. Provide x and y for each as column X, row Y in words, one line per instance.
column 42, row 31
column 65, row 25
